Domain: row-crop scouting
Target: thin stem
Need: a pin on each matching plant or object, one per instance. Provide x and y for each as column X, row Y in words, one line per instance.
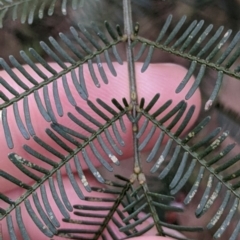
column 128, row 30
column 153, row 210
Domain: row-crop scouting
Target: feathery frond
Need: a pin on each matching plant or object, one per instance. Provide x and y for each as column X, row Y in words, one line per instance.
column 26, row 10
column 95, row 131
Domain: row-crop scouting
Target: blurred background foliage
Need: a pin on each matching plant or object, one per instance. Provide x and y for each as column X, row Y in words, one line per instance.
column 149, row 13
